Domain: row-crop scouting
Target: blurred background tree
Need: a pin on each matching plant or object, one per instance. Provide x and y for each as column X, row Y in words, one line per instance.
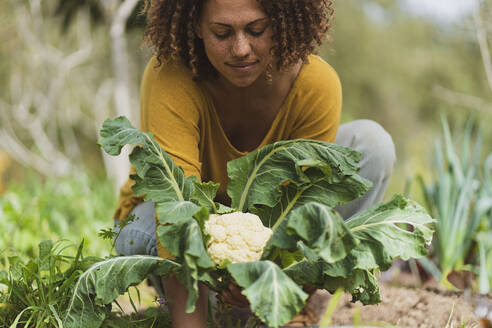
column 70, row 71
column 402, row 70
column 66, row 65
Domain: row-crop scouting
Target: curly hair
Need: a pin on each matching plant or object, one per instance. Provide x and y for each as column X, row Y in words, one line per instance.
column 298, row 27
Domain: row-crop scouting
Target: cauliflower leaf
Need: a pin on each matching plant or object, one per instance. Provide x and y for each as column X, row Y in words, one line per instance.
column 274, row 297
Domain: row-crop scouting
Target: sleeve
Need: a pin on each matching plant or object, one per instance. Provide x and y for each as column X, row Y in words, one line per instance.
column 126, row 199
column 170, row 109
column 320, row 105
column 170, row 103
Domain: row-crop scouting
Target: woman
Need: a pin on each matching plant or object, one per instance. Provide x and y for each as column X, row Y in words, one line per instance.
column 228, row 77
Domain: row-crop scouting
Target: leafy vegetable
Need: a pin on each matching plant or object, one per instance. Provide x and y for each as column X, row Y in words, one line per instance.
column 379, row 239
column 383, row 232
column 321, row 232
column 253, row 176
column 272, row 294
column 292, row 186
column 46, row 291
column 164, row 180
column 101, row 284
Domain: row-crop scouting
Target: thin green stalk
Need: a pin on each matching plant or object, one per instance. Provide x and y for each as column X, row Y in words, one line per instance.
column 287, row 209
column 450, row 317
column 332, row 305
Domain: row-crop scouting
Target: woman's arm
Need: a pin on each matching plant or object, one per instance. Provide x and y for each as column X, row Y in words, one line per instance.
column 176, row 295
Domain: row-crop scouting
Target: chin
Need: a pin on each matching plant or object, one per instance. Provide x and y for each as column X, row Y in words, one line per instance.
column 241, row 82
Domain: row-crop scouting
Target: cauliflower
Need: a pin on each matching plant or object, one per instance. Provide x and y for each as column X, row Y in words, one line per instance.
column 237, row 237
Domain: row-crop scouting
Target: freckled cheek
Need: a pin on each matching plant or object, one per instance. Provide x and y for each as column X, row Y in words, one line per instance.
column 216, row 51
column 264, row 48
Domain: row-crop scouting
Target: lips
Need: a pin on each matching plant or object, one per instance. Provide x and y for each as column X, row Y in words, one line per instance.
column 241, row 65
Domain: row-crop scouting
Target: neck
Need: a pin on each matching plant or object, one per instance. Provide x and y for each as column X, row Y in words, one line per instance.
column 261, row 88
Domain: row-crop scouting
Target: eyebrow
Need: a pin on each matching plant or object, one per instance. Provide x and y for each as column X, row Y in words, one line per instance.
column 249, row 24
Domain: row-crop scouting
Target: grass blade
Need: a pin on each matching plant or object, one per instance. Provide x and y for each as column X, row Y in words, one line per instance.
column 57, row 317
column 332, row 305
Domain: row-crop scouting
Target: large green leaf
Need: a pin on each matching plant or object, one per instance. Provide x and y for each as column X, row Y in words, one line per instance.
column 361, row 284
column 158, row 177
column 320, row 232
column 119, row 132
column 329, row 191
column 397, row 228
column 170, row 212
column 254, row 178
column 204, row 194
column 273, row 296
column 102, row 283
column 183, row 238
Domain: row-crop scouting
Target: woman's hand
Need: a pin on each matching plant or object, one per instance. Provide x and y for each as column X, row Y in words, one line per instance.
column 232, row 295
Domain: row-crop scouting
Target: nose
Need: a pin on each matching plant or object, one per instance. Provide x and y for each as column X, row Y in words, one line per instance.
column 241, row 46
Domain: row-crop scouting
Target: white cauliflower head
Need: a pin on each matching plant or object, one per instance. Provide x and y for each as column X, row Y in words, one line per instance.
column 237, row 237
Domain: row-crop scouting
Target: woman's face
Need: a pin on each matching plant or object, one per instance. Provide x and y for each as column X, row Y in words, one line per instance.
column 237, row 38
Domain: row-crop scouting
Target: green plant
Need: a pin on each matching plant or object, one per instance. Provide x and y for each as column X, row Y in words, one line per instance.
column 56, row 208
column 292, row 186
column 459, row 199
column 38, row 291
column 484, row 237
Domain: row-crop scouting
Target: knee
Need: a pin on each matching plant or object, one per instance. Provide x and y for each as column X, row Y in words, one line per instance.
column 138, row 237
column 376, row 145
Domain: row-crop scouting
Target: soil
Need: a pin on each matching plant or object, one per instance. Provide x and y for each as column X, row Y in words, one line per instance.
column 428, row 306
column 403, row 305
column 407, row 307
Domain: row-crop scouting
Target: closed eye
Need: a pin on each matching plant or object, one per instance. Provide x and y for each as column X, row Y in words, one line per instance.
column 222, row 36
column 256, row 33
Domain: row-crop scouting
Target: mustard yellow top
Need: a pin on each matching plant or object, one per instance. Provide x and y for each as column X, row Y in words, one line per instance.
column 180, row 114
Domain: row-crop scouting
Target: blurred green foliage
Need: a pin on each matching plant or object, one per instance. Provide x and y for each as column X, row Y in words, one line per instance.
column 390, row 61
column 394, row 68
column 69, row 208
column 459, row 197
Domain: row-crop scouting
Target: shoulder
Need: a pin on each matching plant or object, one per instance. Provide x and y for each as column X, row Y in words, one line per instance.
column 317, row 88
column 169, row 87
column 317, row 102
column 318, row 77
column 169, row 77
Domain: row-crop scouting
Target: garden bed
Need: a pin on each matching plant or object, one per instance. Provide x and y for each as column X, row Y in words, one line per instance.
column 403, row 305
column 409, row 307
